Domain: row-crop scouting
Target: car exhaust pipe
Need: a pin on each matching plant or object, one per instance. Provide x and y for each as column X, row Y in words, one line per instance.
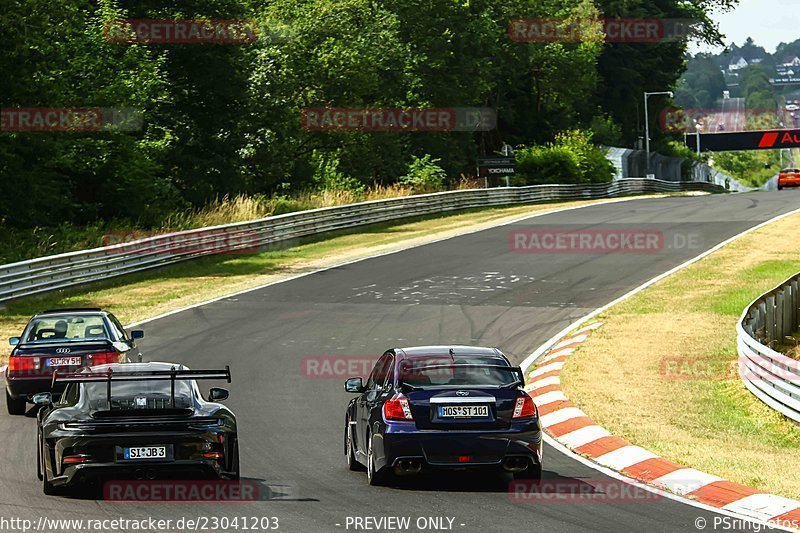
column 138, row 474
column 515, row 464
column 151, row 474
column 407, row 467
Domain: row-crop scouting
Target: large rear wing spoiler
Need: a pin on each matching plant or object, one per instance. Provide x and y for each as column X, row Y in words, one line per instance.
column 172, row 375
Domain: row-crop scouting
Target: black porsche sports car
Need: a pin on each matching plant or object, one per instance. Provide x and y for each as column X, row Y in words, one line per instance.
column 135, row 421
column 64, row 340
column 442, row 407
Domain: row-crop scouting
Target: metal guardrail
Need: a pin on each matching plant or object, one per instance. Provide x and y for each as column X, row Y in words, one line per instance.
column 61, row 271
column 773, row 377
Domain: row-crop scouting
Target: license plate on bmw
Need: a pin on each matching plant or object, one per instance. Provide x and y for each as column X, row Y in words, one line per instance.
column 463, row 411
column 145, row 452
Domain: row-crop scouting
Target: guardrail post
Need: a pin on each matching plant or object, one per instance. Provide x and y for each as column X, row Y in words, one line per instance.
column 761, row 322
column 769, row 326
column 788, row 326
column 779, row 332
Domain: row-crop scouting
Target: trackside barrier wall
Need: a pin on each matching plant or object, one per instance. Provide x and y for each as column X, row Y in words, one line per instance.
column 773, row 377
column 50, row 273
column 630, row 163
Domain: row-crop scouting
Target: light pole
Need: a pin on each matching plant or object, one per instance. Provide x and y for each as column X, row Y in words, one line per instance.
column 697, row 127
column 647, row 125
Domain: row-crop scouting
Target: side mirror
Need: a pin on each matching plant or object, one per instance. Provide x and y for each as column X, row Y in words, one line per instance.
column 137, row 334
column 43, row 399
column 13, row 341
column 217, row 394
column 354, row 385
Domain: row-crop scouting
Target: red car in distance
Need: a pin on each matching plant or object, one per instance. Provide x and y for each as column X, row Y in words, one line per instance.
column 789, row 177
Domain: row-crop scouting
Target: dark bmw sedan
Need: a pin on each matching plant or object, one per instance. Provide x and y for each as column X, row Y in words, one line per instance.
column 63, row 340
column 442, row 407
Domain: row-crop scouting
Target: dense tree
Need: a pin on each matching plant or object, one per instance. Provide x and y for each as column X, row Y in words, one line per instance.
column 221, row 119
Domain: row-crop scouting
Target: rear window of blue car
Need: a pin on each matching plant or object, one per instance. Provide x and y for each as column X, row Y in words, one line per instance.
column 459, row 371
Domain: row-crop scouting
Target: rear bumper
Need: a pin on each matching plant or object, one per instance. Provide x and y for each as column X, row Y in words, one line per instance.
column 788, row 182
column 19, row 387
column 177, row 470
column 460, row 449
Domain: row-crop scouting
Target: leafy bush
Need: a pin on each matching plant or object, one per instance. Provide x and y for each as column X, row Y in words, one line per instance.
column 328, row 177
column 597, row 167
column 749, row 168
column 424, row 174
column 572, row 158
column 546, row 164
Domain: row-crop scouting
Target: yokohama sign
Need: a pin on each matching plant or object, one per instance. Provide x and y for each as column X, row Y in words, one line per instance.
column 746, row 140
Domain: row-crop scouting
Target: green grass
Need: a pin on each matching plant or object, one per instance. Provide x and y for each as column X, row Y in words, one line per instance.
column 710, row 421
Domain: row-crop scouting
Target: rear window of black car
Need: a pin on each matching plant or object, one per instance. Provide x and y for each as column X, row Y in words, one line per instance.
column 132, row 395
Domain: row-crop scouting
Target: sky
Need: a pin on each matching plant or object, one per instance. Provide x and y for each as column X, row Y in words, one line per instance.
column 768, row 22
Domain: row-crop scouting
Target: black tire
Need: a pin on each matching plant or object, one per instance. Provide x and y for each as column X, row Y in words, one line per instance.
column 349, row 449
column 533, row 472
column 374, row 477
column 47, row 487
column 235, row 461
column 39, row 454
column 16, row 406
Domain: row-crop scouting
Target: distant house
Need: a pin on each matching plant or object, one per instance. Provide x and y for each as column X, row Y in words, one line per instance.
column 737, row 63
column 791, row 62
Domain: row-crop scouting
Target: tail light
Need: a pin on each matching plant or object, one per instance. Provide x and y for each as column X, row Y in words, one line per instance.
column 75, row 459
column 103, row 358
column 524, row 408
column 214, row 455
column 19, row 364
column 397, row 408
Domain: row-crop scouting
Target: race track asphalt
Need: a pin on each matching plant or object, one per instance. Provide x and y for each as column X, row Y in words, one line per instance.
column 468, row 289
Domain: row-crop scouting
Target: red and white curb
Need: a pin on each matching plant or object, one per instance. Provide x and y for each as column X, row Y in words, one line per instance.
column 573, row 428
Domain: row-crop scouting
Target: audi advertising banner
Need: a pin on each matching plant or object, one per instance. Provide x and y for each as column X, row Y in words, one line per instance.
column 745, row 140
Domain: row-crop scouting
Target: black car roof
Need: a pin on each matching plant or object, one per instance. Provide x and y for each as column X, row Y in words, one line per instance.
column 427, row 351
